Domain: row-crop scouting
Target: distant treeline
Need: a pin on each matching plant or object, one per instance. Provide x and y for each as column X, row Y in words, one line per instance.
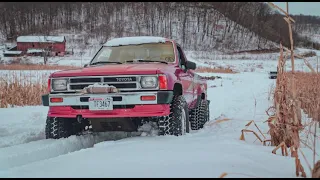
column 209, row 25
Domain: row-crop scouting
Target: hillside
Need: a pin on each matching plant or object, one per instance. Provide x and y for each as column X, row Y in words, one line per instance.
column 308, row 27
column 197, row 26
column 206, row 26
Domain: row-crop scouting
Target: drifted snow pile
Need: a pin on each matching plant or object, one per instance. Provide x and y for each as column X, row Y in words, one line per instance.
column 149, row 129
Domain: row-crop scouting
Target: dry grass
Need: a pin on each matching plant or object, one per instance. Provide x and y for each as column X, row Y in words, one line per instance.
column 215, row 70
column 21, row 90
column 308, row 92
column 302, row 91
column 33, row 67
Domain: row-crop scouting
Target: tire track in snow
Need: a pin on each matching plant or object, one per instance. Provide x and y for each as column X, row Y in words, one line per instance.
column 23, row 154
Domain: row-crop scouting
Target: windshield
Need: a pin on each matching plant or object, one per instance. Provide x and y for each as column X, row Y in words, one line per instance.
column 151, row 51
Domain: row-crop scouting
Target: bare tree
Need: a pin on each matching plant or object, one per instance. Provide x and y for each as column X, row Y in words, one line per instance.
column 180, row 20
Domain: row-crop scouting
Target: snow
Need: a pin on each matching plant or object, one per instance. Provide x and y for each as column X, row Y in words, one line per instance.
column 149, row 129
column 308, row 50
column 44, row 149
column 12, row 52
column 209, row 152
column 40, row 39
column 35, row 50
column 134, row 40
column 12, row 132
column 263, row 63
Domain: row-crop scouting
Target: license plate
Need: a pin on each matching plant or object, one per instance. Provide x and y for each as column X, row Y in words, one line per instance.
column 101, row 103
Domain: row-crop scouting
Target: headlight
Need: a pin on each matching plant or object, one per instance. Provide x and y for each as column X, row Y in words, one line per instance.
column 59, row 84
column 149, row 82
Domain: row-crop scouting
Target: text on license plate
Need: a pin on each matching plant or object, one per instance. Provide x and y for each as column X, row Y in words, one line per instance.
column 101, row 103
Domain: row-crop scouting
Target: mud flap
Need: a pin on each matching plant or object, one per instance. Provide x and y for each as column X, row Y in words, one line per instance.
column 164, row 97
column 45, row 100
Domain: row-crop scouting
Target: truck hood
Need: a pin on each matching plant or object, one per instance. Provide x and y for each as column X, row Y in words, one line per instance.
column 113, row 69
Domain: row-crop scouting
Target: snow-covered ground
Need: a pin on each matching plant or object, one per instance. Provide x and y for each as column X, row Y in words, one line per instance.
column 208, row 152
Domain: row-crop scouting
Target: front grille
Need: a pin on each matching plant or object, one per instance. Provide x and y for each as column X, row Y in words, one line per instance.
column 85, row 80
column 125, row 86
column 118, row 86
column 120, row 82
column 78, row 87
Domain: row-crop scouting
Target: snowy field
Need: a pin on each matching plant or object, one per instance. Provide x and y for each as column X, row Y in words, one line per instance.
column 246, row 62
column 208, row 152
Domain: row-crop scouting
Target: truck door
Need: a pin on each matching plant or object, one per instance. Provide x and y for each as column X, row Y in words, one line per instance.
column 186, row 78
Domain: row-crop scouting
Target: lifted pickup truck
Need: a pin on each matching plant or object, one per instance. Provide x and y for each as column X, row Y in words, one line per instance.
column 130, row 81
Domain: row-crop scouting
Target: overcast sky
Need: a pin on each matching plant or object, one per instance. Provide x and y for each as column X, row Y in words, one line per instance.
column 305, row 8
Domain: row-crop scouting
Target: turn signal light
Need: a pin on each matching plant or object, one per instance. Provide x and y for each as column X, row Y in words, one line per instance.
column 163, row 84
column 148, row 98
column 56, row 100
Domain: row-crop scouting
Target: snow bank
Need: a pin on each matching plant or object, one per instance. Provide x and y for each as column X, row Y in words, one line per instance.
column 48, row 148
column 135, row 40
column 21, row 125
column 204, row 155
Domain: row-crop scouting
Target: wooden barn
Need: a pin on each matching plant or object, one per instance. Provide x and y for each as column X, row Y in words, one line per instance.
column 55, row 45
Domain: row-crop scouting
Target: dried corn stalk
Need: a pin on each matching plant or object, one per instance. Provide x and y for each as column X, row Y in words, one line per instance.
column 284, row 130
column 316, row 170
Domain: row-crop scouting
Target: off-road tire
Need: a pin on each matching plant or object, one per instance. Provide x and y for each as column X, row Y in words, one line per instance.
column 208, row 111
column 200, row 115
column 207, row 107
column 57, row 128
column 171, row 124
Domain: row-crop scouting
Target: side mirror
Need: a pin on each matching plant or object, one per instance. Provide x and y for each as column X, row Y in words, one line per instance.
column 191, row 65
column 85, row 65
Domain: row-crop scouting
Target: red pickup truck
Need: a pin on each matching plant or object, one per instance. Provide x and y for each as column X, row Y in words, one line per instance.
column 130, row 81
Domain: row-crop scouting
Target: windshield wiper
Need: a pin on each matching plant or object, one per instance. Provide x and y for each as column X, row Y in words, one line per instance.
column 105, row 62
column 145, row 60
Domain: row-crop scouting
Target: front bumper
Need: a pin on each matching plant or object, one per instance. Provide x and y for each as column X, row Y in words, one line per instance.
column 127, row 104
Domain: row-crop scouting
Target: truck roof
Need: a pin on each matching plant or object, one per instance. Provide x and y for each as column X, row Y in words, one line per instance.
column 135, row 40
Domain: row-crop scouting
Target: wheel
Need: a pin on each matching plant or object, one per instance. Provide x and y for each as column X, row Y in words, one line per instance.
column 206, row 109
column 200, row 115
column 57, row 128
column 177, row 122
